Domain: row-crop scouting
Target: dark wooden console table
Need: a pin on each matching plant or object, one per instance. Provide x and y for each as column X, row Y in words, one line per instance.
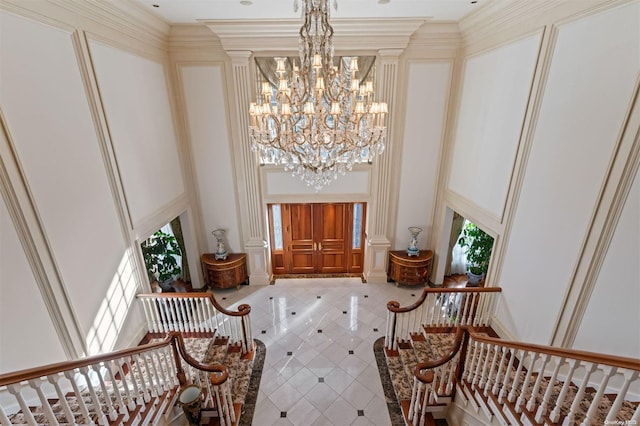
column 410, row 270
column 225, row 273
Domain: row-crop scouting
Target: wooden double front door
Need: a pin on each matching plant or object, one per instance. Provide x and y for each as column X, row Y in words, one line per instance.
column 318, row 238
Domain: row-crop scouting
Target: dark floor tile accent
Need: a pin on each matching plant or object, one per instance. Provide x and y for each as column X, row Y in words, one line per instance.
column 350, row 352
column 320, row 379
column 319, row 331
column 264, row 331
column 318, row 297
column 344, row 312
column 375, row 330
column 360, row 412
column 366, row 295
column 271, row 298
column 395, row 413
column 413, row 295
column 293, row 313
column 224, row 298
column 289, row 353
column 283, row 414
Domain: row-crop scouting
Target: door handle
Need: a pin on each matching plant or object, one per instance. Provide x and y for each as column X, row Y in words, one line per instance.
column 320, row 246
column 314, row 246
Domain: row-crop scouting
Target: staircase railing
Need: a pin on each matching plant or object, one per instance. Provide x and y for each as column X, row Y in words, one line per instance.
column 197, row 313
column 124, row 386
column 525, row 384
column 439, row 307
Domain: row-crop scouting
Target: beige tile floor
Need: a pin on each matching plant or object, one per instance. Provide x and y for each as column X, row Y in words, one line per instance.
column 319, row 333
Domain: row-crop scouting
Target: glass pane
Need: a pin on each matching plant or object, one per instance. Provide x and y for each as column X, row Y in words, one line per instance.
column 357, row 225
column 277, row 226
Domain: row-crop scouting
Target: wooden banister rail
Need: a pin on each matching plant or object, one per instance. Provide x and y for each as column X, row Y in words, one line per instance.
column 495, row 373
column 46, row 370
column 111, row 388
column 596, row 358
column 197, row 313
column 439, row 307
column 394, row 306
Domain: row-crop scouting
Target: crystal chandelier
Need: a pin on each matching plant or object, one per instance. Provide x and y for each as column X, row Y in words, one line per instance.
column 321, row 119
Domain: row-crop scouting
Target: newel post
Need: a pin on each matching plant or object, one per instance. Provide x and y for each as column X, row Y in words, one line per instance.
column 182, row 378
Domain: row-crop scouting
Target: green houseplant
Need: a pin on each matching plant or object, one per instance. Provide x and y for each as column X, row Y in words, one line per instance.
column 478, row 245
column 159, row 252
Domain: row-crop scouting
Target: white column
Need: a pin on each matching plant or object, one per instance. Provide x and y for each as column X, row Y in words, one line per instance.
column 378, row 229
column 246, row 174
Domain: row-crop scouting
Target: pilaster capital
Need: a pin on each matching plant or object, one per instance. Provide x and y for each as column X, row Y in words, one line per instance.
column 390, row 55
column 239, row 57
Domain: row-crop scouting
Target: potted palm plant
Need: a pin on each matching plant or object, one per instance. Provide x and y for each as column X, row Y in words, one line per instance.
column 478, row 245
column 159, row 252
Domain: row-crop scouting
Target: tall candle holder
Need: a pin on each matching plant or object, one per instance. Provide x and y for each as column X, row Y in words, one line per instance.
column 221, row 253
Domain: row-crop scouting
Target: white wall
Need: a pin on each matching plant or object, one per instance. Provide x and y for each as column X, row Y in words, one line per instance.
column 25, row 326
column 611, row 323
column 136, row 102
column 426, row 103
column 495, row 92
column 595, row 65
column 45, row 104
column 204, row 97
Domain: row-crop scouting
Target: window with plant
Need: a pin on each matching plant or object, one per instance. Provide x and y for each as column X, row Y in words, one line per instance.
column 478, row 246
column 161, row 252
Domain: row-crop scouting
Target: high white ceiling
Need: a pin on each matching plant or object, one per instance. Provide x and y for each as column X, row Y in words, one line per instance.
column 190, row 11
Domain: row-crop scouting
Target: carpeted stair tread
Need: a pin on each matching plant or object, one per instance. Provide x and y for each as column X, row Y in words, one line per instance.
column 401, row 385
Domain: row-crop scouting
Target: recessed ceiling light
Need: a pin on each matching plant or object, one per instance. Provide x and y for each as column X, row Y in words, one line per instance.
column 246, row 2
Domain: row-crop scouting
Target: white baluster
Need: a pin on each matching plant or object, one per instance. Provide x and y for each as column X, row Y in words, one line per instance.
column 425, row 402
column 36, row 384
column 66, row 409
column 555, row 413
column 71, row 376
column 608, row 372
column 16, row 391
column 139, row 383
column 131, row 403
column 4, row 420
column 452, row 369
column 490, row 378
column 577, row 399
column 496, row 382
column 387, row 335
column 415, row 397
column 636, row 416
column 542, row 409
column 485, row 366
column 165, row 325
column 471, row 360
column 102, row 419
column 516, row 380
column 107, row 398
column 525, row 384
column 142, row 361
column 507, row 376
column 227, row 392
column 531, row 404
column 476, row 376
column 629, row 377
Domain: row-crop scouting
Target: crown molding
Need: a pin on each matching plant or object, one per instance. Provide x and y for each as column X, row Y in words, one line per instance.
column 193, row 37
column 510, row 18
column 104, row 17
column 350, row 34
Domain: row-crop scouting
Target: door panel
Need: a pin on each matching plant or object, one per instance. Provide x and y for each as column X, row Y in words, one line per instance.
column 301, row 238
column 331, row 237
column 321, row 238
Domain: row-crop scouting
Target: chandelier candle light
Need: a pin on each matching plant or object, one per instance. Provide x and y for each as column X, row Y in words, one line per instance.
column 322, row 119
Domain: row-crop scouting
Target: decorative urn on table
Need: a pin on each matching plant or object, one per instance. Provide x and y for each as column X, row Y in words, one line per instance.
column 221, row 252
column 412, row 250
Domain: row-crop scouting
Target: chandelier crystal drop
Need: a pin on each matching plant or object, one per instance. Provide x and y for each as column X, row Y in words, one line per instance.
column 320, row 119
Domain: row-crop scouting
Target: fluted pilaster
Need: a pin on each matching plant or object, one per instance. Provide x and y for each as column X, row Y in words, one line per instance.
column 247, row 176
column 378, row 229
